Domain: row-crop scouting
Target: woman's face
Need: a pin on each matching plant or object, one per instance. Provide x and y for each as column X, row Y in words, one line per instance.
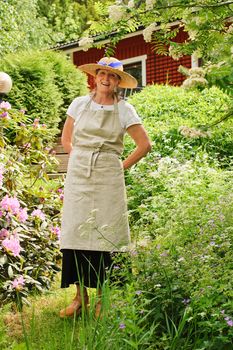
column 106, row 81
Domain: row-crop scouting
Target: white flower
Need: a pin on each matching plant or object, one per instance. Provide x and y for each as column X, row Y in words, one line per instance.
column 174, row 52
column 192, row 34
column 149, row 4
column 115, row 13
column 131, row 4
column 192, row 133
column 85, row 43
column 147, row 32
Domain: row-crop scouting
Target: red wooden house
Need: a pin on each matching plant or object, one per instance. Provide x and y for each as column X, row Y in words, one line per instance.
column 138, row 58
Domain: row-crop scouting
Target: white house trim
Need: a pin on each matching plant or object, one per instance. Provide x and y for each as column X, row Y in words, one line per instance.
column 135, row 59
column 194, row 61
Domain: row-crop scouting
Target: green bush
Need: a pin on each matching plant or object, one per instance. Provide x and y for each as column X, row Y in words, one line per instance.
column 180, row 203
column 174, row 116
column 44, row 84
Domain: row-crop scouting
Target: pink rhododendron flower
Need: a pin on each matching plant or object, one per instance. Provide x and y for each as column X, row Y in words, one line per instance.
column 18, row 283
column 22, row 215
column 37, row 213
column 36, row 123
column 12, row 245
column 4, row 115
column 10, row 204
column 5, row 105
column 56, row 230
column 3, row 233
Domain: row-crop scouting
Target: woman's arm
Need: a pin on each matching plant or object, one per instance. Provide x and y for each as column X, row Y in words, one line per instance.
column 140, row 137
column 66, row 137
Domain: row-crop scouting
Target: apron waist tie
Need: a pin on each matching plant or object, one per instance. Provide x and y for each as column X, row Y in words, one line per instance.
column 94, row 153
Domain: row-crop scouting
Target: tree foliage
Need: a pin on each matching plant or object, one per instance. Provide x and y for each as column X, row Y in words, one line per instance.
column 207, row 22
column 21, row 26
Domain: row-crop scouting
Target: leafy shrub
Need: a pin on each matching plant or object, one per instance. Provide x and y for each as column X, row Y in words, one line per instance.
column 180, row 202
column 29, row 209
column 174, row 116
column 44, row 83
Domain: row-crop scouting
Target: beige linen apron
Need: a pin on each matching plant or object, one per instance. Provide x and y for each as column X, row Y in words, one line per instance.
column 95, row 210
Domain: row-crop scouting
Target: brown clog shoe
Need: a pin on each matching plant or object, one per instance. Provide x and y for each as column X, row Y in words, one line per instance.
column 74, row 308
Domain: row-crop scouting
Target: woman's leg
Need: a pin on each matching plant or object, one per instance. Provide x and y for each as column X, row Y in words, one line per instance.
column 80, row 300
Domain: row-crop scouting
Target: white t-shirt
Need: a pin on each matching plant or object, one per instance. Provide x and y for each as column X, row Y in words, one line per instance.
column 127, row 113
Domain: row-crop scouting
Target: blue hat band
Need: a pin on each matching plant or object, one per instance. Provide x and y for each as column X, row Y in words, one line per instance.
column 112, row 64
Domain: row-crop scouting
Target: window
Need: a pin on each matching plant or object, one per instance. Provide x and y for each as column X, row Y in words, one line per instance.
column 136, row 66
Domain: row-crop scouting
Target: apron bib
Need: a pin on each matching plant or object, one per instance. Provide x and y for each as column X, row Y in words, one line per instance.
column 95, row 211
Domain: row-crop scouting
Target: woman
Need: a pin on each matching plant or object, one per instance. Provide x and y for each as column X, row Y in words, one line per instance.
column 94, row 220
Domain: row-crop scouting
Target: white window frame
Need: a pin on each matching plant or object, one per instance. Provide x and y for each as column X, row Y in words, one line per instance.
column 135, row 59
column 194, row 62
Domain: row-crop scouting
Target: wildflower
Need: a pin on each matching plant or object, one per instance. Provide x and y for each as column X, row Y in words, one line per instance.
column 147, row 32
column 36, row 123
column 4, row 115
column 164, row 253
column 149, row 4
column 56, row 230
column 230, row 323
column 5, row 105
column 22, row 111
column 61, row 197
column 222, row 312
column 37, row 213
column 10, row 204
column 116, row 13
column 22, row 215
column 192, row 133
column 27, row 145
column 186, row 301
column 18, row 283
column 138, row 292
column 131, row 4
column 3, row 233
column 122, row 326
column 116, row 267
column 12, row 245
column 85, row 43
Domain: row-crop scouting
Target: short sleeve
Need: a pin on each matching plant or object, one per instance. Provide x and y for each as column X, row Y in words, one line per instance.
column 76, row 106
column 130, row 116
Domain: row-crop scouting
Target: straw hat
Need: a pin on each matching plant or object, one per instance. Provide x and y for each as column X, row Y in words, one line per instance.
column 113, row 65
column 5, row 83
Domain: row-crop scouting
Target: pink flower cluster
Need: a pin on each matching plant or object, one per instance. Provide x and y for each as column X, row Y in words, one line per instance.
column 56, row 231
column 12, row 245
column 18, row 283
column 37, row 213
column 5, row 106
column 12, row 206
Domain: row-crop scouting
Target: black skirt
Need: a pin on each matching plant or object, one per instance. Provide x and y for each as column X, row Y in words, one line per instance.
column 92, row 268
